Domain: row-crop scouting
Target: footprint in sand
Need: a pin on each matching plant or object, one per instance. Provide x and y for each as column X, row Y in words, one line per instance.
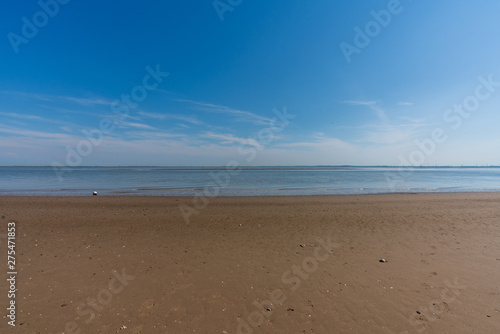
column 137, row 330
column 176, row 313
column 145, row 307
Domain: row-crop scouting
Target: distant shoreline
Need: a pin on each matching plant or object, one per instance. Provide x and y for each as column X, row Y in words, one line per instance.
column 299, row 167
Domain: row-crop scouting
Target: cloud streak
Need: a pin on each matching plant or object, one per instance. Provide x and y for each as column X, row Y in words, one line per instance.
column 166, row 116
column 372, row 105
column 243, row 116
column 84, row 101
column 34, row 134
column 230, row 139
column 21, row 116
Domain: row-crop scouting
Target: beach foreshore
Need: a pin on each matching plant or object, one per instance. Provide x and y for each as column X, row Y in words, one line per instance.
column 393, row 263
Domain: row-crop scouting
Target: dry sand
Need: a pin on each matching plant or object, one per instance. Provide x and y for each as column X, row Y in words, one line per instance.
column 98, row 264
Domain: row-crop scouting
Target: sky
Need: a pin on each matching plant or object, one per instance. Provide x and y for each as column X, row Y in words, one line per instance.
column 204, row 83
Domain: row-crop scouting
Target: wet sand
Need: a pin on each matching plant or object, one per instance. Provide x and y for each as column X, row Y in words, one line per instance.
column 255, row 264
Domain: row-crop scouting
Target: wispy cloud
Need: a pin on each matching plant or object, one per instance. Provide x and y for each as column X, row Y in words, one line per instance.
column 320, row 141
column 225, row 138
column 34, row 134
column 416, row 121
column 21, row 116
column 379, row 111
column 373, row 105
column 137, row 125
column 154, row 134
column 84, row 101
column 159, row 116
column 359, row 102
column 244, row 116
column 407, row 104
column 87, row 101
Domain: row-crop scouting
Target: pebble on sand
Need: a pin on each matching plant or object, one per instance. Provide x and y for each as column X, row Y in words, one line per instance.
column 382, row 260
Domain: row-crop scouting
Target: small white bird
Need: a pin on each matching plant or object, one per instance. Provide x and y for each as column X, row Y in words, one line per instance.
column 95, row 193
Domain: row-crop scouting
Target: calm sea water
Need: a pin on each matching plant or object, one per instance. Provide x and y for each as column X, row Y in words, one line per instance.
column 271, row 181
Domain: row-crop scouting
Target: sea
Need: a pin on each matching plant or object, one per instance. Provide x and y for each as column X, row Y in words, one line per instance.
column 244, row 181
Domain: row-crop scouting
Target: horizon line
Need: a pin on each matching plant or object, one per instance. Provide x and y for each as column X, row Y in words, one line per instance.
column 258, row 166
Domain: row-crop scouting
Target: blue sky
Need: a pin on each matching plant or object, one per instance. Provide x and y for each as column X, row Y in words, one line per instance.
column 231, row 63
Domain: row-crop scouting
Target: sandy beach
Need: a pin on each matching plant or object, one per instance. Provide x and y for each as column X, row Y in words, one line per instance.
column 255, row 264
